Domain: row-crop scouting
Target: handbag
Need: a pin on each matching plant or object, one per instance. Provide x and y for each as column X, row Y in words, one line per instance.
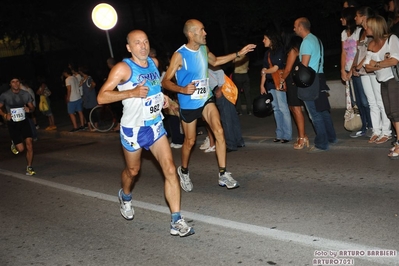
column 276, row 76
column 43, row 105
column 304, row 76
column 353, row 121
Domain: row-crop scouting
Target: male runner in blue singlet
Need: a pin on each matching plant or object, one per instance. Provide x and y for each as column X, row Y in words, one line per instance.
column 189, row 64
column 138, row 82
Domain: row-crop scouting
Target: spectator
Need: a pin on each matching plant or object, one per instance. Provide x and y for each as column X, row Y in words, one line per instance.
column 273, row 61
column 311, row 55
column 45, row 91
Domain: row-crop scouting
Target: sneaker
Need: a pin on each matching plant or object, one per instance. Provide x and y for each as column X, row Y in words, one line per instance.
column 13, row 149
column 314, row 149
column 205, row 145
column 185, row 181
column 226, row 180
column 176, row 146
column 382, row 139
column 37, row 126
column 357, row 134
column 373, row 138
column 127, row 210
column 210, row 149
column 180, row 228
column 30, row 171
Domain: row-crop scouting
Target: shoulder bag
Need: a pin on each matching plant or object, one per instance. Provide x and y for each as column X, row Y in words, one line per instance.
column 277, row 76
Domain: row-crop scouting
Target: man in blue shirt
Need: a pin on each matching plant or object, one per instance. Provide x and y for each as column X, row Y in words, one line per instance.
column 189, row 64
column 310, row 54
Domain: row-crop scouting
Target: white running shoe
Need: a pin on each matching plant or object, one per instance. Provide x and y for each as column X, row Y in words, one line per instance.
column 185, row 181
column 226, row 180
column 205, row 145
column 127, row 210
column 176, row 146
column 210, row 149
column 180, row 228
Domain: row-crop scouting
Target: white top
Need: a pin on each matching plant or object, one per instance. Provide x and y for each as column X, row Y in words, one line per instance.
column 350, row 46
column 389, row 49
column 74, row 83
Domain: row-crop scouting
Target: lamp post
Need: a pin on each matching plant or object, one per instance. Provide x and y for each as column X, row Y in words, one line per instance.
column 105, row 17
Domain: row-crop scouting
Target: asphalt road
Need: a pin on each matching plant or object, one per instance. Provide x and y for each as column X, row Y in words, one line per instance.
column 292, row 208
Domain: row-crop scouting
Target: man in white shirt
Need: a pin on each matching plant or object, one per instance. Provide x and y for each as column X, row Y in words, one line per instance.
column 74, row 99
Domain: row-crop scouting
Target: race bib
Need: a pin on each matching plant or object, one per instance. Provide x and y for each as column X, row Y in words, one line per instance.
column 152, row 106
column 17, row 114
column 202, row 89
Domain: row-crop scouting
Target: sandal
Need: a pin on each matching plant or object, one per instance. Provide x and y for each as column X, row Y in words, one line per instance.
column 394, row 154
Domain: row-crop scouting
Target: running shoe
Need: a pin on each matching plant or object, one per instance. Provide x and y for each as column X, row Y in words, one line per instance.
column 176, row 146
column 356, row 134
column 180, row 228
column 30, row 171
column 210, row 149
column 226, row 180
column 205, row 145
column 127, row 210
column 13, row 149
column 185, row 181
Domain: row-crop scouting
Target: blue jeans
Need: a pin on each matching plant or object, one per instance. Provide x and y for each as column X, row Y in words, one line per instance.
column 323, row 126
column 282, row 114
column 362, row 103
column 231, row 123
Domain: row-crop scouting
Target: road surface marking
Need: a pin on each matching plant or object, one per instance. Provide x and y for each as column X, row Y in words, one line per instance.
column 310, row 241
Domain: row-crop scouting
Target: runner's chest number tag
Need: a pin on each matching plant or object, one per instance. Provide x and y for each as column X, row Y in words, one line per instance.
column 202, row 88
column 17, row 114
column 153, row 106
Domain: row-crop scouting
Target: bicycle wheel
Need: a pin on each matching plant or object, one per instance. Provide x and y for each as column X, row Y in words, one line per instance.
column 102, row 118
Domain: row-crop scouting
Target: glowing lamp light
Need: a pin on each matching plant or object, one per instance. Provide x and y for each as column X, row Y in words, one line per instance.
column 104, row 16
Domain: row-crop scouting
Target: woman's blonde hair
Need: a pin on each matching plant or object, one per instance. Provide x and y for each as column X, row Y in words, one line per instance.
column 378, row 26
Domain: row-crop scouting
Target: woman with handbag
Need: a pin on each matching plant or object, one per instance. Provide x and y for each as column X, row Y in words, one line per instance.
column 382, row 55
column 273, row 63
column 293, row 43
column 350, row 39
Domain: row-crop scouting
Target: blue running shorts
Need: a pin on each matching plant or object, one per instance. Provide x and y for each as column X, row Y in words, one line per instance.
column 133, row 139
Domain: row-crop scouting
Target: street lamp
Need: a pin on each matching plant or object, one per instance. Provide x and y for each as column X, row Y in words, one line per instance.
column 105, row 17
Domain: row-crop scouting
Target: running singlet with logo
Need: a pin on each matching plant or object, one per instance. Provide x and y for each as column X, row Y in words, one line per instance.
column 194, row 68
column 142, row 111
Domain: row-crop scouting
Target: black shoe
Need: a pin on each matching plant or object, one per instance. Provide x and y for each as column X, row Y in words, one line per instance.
column 230, row 150
column 284, row 141
column 81, row 128
column 276, row 140
column 241, row 146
